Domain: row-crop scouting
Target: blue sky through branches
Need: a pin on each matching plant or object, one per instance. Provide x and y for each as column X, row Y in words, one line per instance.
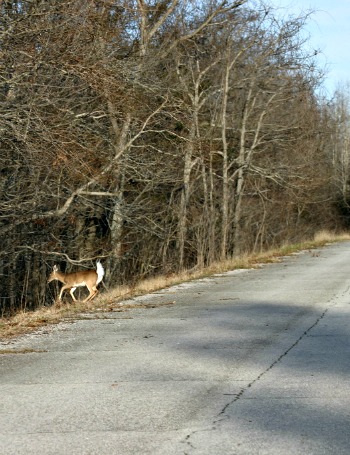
column 329, row 31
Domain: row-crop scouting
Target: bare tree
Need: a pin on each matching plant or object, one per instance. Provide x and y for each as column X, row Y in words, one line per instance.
column 154, row 135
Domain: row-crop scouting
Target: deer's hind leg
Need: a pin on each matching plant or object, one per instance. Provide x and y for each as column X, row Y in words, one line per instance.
column 93, row 291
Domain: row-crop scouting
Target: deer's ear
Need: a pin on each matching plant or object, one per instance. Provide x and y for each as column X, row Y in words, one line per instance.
column 55, row 268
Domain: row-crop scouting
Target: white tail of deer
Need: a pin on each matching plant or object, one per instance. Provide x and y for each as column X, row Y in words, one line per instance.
column 88, row 278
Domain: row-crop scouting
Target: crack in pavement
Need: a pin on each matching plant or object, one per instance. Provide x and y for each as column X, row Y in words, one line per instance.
column 221, row 415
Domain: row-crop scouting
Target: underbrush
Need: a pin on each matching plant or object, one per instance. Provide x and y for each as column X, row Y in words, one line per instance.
column 119, row 299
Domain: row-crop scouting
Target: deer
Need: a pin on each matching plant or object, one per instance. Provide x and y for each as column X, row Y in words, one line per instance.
column 88, row 278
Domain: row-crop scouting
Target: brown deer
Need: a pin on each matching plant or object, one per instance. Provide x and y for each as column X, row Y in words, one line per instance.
column 88, row 278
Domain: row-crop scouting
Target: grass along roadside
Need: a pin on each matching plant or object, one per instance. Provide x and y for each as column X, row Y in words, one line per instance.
column 26, row 322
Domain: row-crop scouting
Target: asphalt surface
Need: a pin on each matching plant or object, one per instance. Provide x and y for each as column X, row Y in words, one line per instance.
column 251, row 362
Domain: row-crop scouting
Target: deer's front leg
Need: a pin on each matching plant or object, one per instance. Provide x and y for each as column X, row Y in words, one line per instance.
column 71, row 293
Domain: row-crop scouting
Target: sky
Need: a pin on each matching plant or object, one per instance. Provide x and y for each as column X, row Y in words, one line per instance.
column 329, row 30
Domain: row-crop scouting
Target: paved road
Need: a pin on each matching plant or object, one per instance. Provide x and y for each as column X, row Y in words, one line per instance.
column 255, row 362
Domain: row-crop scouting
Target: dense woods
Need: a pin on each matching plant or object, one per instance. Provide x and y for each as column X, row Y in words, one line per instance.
column 159, row 135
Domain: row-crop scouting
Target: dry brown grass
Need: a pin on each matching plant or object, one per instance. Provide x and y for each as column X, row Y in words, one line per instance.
column 323, row 237
column 25, row 322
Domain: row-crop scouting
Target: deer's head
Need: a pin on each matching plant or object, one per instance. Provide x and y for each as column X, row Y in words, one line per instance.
column 53, row 274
